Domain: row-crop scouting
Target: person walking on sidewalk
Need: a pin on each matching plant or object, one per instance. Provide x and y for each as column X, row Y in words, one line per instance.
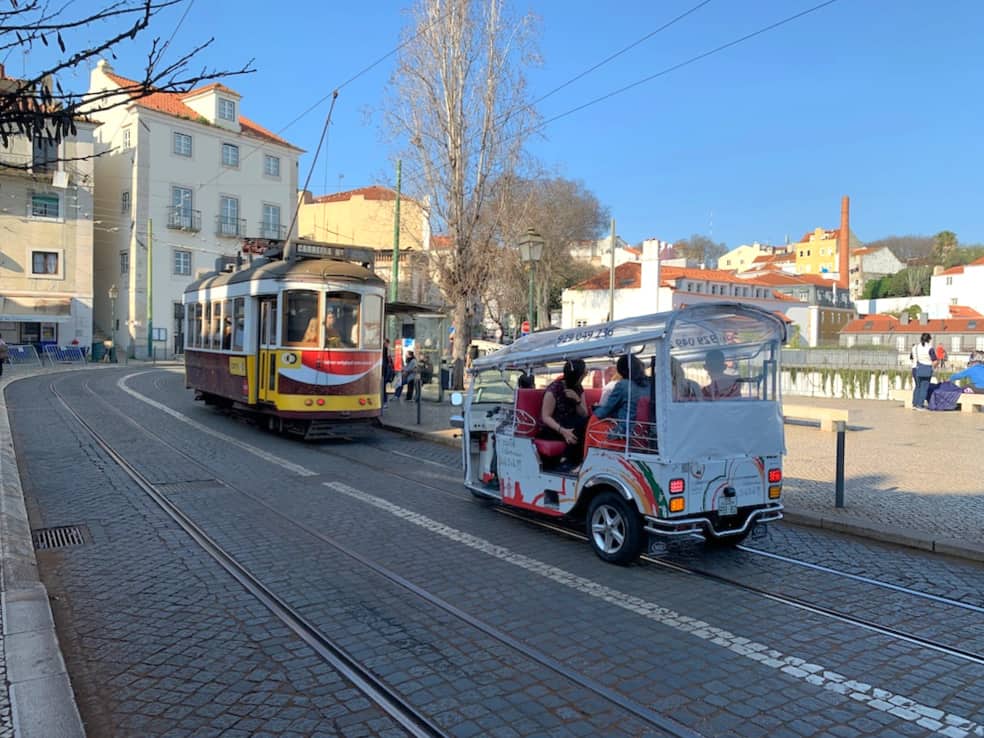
column 387, row 370
column 924, row 356
column 409, row 376
column 4, row 354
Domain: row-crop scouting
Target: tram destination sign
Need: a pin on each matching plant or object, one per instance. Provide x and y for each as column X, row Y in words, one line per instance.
column 332, row 251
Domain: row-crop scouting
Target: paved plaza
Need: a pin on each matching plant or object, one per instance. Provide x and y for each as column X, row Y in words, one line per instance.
column 911, row 478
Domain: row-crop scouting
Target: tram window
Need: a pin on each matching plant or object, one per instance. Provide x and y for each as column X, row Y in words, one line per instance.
column 342, row 319
column 301, row 318
column 195, row 334
column 206, row 323
column 238, row 323
column 227, row 324
column 216, row 325
column 372, row 321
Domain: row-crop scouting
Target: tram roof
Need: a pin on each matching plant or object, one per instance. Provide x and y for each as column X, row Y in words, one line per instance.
column 615, row 336
column 305, row 270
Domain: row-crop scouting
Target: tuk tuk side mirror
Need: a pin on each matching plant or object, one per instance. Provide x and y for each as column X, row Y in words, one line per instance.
column 457, row 399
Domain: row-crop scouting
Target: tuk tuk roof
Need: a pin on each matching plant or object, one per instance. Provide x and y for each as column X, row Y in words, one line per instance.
column 614, row 337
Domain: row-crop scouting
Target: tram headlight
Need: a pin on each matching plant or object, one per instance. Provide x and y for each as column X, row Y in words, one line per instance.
column 309, row 402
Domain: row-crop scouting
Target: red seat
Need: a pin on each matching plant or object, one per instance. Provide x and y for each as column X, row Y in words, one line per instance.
column 529, row 403
column 592, row 396
column 549, row 447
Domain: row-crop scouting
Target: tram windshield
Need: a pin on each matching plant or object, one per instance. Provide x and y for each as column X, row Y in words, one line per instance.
column 337, row 325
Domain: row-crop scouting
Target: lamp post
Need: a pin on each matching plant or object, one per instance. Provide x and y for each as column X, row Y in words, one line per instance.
column 530, row 251
column 113, row 294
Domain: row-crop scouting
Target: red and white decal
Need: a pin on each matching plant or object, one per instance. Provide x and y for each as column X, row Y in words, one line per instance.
column 333, row 367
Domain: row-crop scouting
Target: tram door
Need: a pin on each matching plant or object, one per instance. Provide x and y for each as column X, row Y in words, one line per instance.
column 266, row 356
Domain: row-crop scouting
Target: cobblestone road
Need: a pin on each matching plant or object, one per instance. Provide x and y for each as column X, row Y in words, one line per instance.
column 161, row 642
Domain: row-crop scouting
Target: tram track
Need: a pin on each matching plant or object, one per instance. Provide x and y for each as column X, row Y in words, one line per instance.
column 401, row 710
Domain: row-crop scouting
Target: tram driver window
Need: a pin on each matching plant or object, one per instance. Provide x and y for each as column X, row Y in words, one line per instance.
column 238, row 322
column 342, row 319
column 301, row 318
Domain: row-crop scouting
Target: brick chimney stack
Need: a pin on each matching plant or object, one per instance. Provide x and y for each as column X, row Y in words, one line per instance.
column 844, row 246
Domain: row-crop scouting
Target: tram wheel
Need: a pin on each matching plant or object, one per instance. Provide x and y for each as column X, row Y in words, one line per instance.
column 614, row 528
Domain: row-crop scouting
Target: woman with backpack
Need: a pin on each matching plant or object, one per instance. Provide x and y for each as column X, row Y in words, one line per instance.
column 923, row 356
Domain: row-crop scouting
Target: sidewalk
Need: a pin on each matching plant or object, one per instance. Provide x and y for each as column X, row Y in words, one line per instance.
column 910, row 478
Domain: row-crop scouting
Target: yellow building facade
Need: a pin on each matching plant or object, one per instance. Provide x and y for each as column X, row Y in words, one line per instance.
column 817, row 252
column 363, row 217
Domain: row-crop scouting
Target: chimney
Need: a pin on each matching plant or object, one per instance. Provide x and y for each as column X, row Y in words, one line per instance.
column 844, row 245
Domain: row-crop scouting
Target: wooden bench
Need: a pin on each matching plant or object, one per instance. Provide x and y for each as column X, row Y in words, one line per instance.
column 968, row 401
column 826, row 415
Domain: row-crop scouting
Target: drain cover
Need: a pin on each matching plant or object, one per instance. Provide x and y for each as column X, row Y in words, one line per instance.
column 66, row 535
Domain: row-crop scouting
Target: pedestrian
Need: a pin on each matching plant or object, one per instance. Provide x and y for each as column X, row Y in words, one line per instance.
column 387, row 369
column 923, row 356
column 4, row 353
column 941, row 356
column 408, row 377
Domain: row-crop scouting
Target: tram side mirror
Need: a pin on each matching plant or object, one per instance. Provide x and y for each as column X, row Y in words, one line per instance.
column 457, row 399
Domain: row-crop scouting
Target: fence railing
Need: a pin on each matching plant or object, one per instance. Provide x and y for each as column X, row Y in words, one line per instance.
column 64, row 354
column 23, row 355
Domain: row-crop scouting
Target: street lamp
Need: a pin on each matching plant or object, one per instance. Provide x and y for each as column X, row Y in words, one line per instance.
column 530, row 251
column 113, row 294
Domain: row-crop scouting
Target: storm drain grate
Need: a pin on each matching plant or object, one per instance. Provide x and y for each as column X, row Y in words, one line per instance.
column 65, row 535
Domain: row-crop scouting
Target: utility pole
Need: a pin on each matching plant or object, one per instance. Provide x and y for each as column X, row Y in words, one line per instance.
column 150, row 288
column 395, row 271
column 611, row 277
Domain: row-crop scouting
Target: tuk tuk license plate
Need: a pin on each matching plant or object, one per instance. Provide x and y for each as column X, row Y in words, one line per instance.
column 728, row 506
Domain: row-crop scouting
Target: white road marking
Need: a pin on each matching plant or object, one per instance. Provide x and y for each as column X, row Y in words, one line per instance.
column 266, row 456
column 904, row 708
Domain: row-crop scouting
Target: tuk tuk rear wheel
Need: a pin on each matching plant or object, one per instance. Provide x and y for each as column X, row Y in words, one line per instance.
column 614, row 528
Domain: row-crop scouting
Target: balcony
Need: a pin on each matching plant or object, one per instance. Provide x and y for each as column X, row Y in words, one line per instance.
column 184, row 219
column 273, row 231
column 230, row 227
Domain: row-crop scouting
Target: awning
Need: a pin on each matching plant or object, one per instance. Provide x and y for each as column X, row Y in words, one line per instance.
column 35, row 309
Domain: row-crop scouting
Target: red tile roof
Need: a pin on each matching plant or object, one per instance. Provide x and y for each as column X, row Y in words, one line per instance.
column 373, row 192
column 827, row 235
column 172, row 103
column 959, row 311
column 882, row 323
column 629, row 276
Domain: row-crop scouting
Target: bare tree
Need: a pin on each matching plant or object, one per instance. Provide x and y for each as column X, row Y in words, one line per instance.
column 700, row 249
column 563, row 212
column 460, row 105
column 37, row 106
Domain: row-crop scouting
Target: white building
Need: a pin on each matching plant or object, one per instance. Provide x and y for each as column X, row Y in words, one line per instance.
column 651, row 286
column 959, row 285
column 184, row 178
column 46, row 200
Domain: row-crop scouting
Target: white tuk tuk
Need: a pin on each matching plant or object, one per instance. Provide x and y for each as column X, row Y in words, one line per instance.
column 695, row 448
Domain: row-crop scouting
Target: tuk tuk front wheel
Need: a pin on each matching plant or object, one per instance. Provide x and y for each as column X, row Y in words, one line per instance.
column 614, row 528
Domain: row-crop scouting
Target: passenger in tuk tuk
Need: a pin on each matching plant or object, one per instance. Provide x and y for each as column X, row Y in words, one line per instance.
column 684, row 390
column 624, row 397
column 723, row 384
column 564, row 414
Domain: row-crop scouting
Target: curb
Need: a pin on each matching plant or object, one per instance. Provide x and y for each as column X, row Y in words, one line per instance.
column 40, row 693
column 910, row 539
column 851, row 526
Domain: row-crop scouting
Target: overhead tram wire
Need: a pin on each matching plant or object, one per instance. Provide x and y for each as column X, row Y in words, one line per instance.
column 177, row 27
column 621, row 51
column 314, row 162
column 682, row 64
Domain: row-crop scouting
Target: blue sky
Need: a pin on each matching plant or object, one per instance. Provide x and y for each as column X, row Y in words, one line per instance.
column 876, row 99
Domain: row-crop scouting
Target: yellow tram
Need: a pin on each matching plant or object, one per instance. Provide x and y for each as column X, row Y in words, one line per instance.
column 294, row 337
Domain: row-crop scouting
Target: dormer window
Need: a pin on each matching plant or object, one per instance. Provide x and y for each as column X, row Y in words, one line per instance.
column 227, row 109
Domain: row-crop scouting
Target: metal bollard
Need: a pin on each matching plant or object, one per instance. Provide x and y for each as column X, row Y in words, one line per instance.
column 841, row 429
